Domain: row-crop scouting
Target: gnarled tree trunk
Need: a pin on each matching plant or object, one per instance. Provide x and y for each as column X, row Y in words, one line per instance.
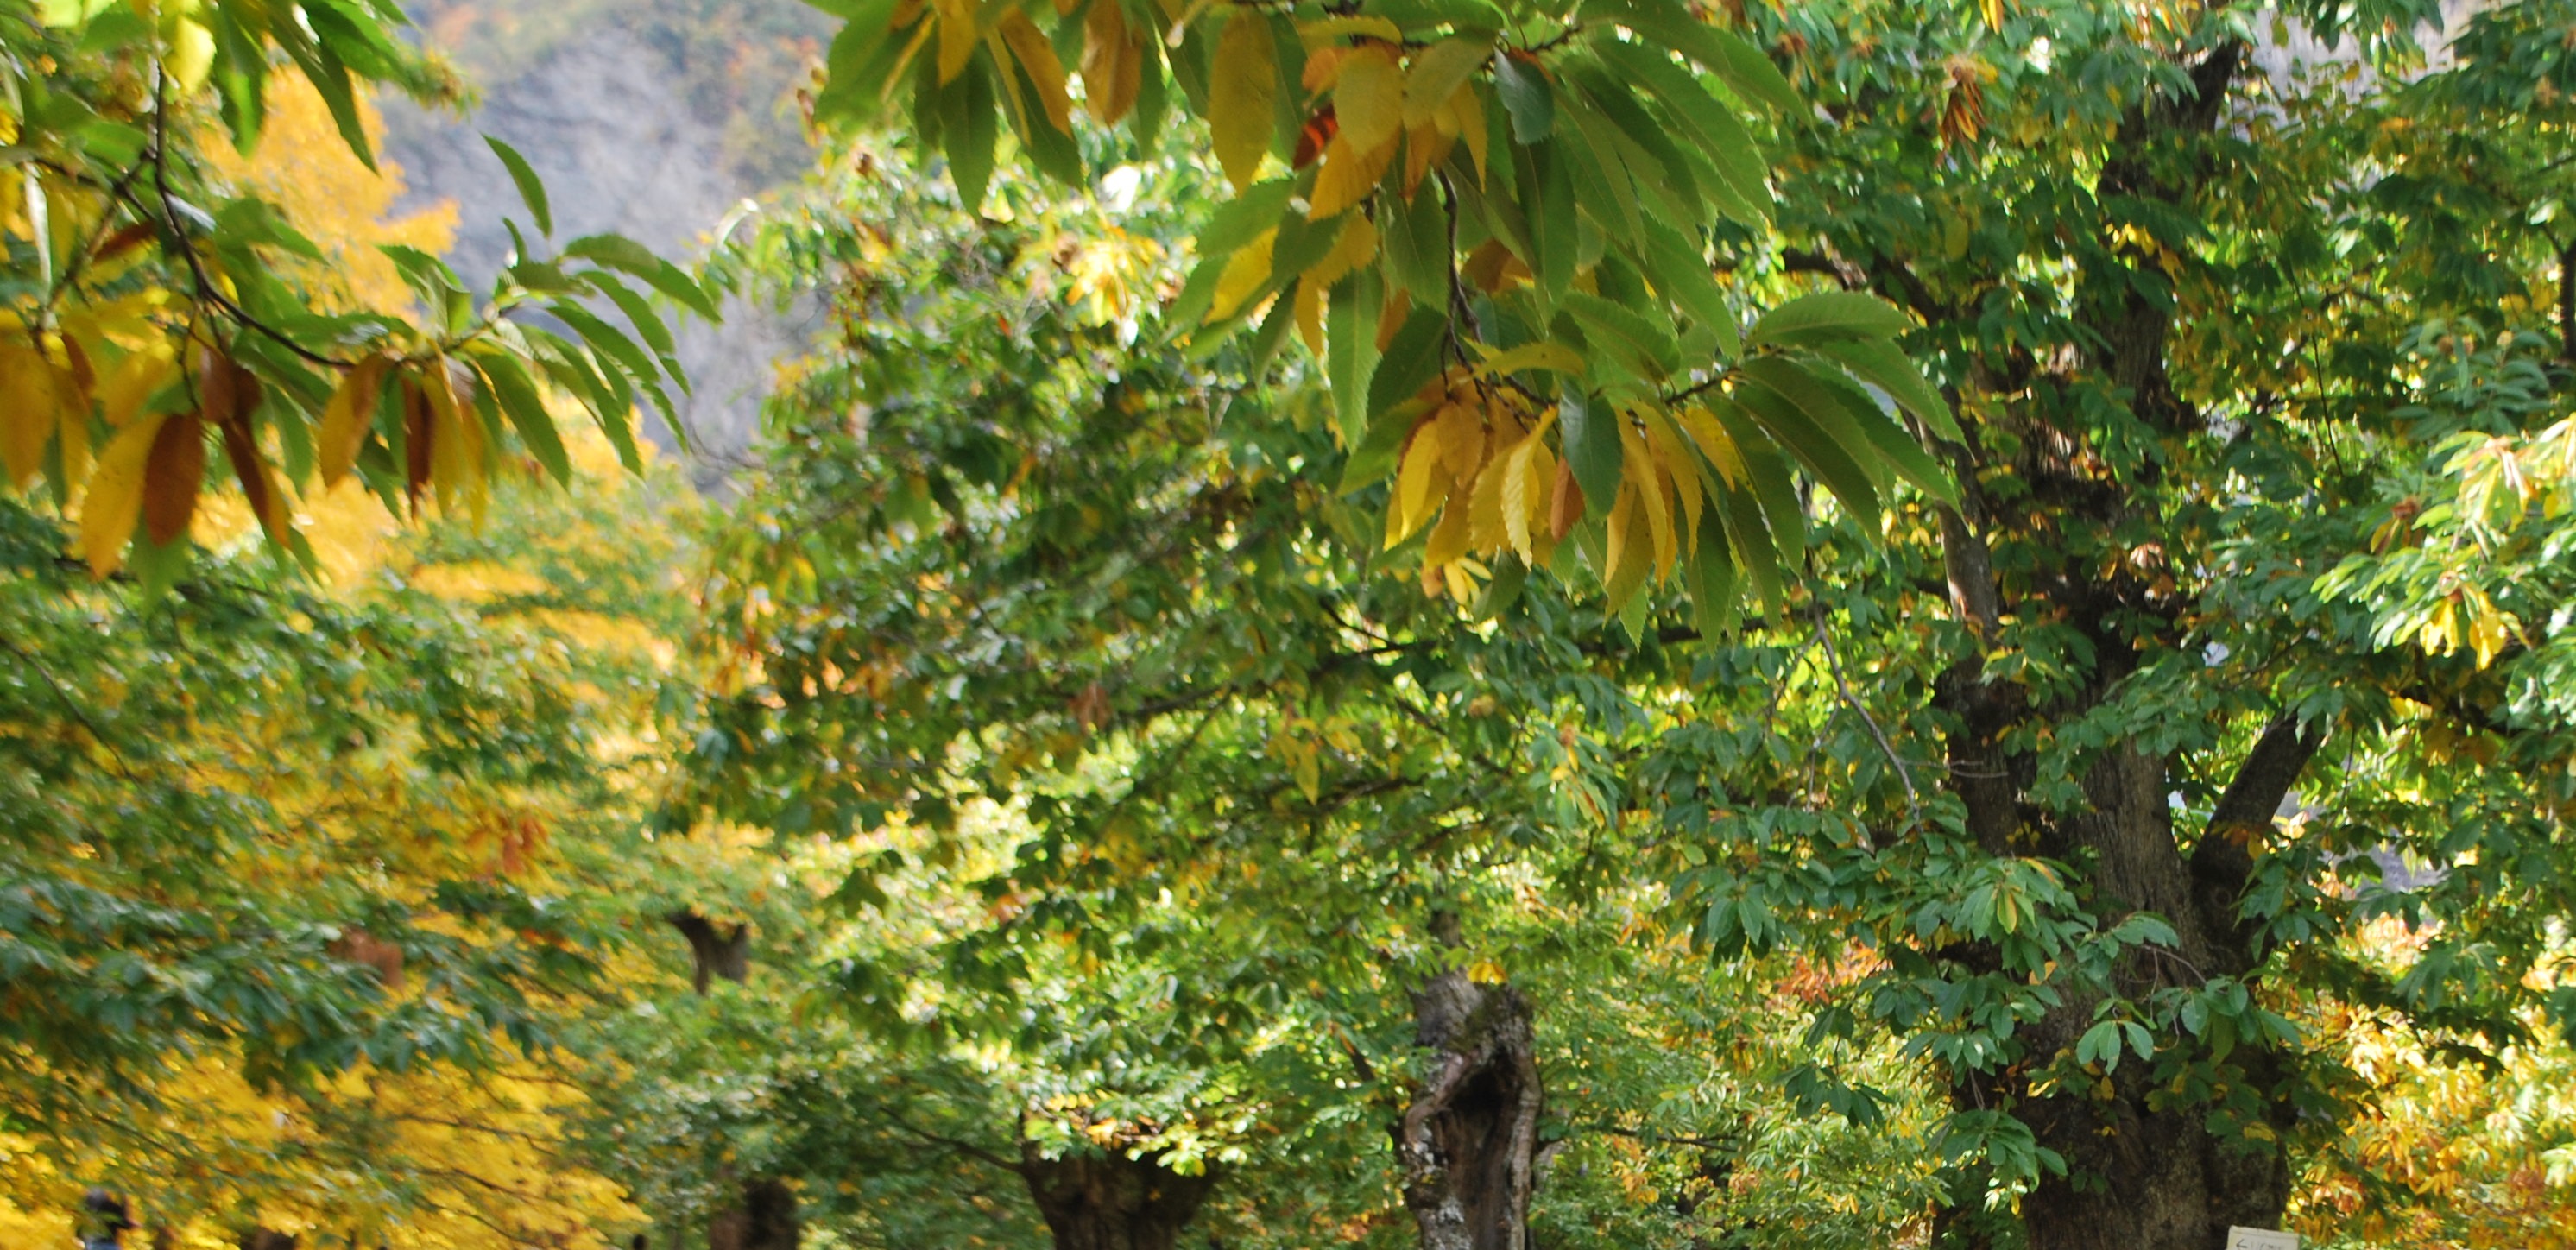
column 1110, row 1201
column 1469, row 1142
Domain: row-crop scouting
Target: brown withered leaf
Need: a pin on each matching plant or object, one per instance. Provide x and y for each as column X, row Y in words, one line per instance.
column 172, row 475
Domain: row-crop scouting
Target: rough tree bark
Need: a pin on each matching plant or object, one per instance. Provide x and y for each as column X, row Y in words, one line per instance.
column 765, row 1218
column 1468, row 1144
column 1109, row 1201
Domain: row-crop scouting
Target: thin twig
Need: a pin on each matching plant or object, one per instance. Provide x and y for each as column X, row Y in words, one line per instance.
column 1833, row 661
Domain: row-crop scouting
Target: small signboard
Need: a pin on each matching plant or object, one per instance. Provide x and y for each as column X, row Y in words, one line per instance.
column 2260, row 1239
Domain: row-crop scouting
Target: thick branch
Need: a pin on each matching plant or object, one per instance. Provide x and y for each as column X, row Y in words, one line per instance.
column 2223, row 860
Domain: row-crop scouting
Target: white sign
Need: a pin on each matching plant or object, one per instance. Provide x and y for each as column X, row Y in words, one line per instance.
column 2260, row 1239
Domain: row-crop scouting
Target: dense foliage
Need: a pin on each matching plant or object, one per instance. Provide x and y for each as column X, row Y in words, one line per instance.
column 1474, row 625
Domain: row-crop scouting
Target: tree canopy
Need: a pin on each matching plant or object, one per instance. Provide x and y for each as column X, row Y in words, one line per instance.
column 1459, row 624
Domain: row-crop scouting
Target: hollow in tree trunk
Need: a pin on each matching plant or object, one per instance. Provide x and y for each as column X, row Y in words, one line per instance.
column 1468, row 1144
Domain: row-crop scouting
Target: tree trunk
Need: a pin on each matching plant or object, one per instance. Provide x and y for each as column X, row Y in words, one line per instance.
column 1468, row 1144
column 266, row 1239
column 1110, row 1201
column 766, row 1219
column 2143, row 1173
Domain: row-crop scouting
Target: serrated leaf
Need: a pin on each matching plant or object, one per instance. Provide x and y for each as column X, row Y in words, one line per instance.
column 1828, row 317
column 524, row 405
column 1588, row 432
column 1525, row 98
column 114, row 500
column 1243, row 87
column 532, row 190
column 1411, row 358
column 1436, row 74
column 1882, row 365
column 173, row 472
column 1037, row 57
column 1368, row 98
column 348, row 416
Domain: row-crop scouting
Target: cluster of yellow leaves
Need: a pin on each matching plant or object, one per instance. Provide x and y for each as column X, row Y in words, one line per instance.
column 423, row 1160
column 160, row 389
column 2448, row 1154
column 1477, row 460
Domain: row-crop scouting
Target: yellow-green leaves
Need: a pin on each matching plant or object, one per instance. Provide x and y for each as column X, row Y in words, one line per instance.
column 1242, row 86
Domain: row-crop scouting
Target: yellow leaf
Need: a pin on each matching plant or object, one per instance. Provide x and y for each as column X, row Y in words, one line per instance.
column 1488, row 529
column 1716, row 444
column 1631, row 548
column 28, row 395
column 1413, row 482
column 1424, row 147
column 957, row 36
column 1437, row 74
column 1464, row 116
column 1348, row 175
column 1368, row 99
column 1354, row 247
column 1037, row 56
column 115, row 498
column 1244, row 274
column 456, row 449
column 1640, row 471
column 1448, row 541
column 346, row 419
column 1525, row 483
column 1309, row 310
column 1554, row 357
column 1243, row 86
column 1112, row 62
column 1681, row 471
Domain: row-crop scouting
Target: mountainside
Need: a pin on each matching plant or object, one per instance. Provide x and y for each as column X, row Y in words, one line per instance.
column 651, row 118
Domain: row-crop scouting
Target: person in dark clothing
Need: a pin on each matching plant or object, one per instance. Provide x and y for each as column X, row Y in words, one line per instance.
column 104, row 1221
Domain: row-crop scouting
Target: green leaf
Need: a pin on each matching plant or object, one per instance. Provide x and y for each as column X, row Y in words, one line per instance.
column 1602, row 182
column 1526, row 99
column 1828, row 317
column 1242, row 219
column 970, row 128
column 1811, row 428
column 1647, row 340
column 648, row 323
column 532, row 190
column 1880, row 364
column 1415, row 238
column 1892, row 441
column 1412, row 358
column 1782, row 511
column 520, row 401
column 1589, row 433
column 1351, row 311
